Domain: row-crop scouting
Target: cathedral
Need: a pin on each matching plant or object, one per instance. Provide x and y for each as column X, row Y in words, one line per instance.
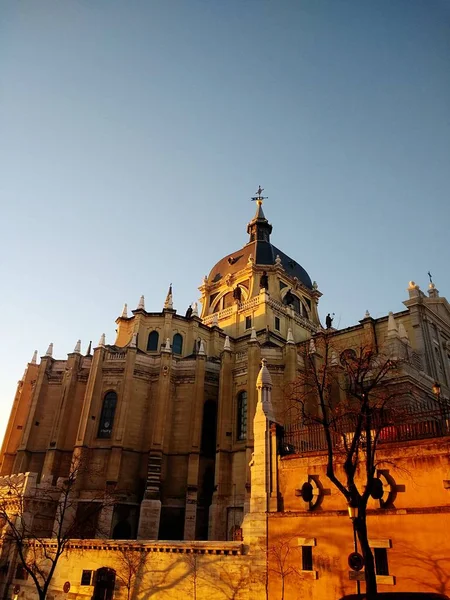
column 166, row 418
column 165, row 414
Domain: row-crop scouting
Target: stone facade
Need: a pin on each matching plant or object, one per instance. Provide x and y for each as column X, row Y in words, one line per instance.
column 180, row 420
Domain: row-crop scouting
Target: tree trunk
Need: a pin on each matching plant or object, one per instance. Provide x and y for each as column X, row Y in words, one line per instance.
column 369, row 563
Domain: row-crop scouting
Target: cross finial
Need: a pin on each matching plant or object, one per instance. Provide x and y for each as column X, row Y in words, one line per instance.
column 430, row 276
column 259, row 197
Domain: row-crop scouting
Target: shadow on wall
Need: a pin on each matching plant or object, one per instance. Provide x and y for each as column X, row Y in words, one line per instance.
column 427, row 570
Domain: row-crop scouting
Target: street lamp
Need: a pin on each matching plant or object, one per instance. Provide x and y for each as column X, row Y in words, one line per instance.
column 437, row 390
column 353, row 512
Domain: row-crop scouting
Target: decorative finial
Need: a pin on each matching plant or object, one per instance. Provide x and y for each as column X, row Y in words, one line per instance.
column 133, row 341
column 167, row 347
column 89, row 349
column 367, row 315
column 430, row 276
column 264, row 379
column 168, row 304
column 314, row 285
column 259, row 197
column 49, row 350
column 77, row 348
column 227, row 345
column 102, row 340
column 34, row 358
column 253, row 337
column 141, row 305
column 278, row 260
column 194, row 309
column 201, row 350
column 215, row 320
column 125, row 311
column 290, row 337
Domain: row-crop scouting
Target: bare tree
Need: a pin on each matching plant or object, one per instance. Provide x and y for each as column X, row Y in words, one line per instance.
column 282, row 560
column 345, row 399
column 130, row 564
column 39, row 520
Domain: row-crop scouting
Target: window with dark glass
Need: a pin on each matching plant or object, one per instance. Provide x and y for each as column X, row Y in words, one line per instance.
column 86, row 577
column 152, row 343
column 242, row 415
column 107, row 416
column 248, row 322
column 381, row 561
column 307, row 558
column 277, row 323
column 177, row 344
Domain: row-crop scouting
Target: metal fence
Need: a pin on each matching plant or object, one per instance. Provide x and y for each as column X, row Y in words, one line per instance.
column 411, row 425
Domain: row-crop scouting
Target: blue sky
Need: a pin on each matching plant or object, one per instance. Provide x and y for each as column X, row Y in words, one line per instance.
column 134, row 132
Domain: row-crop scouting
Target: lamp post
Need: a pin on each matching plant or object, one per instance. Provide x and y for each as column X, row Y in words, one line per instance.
column 353, row 515
column 436, row 389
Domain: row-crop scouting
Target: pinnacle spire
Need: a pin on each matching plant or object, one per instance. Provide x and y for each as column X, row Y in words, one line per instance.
column 227, row 345
column 259, row 227
column 141, row 305
column 290, row 337
column 89, row 348
column 392, row 330
column 124, row 314
column 102, row 340
column 34, row 358
column 168, row 304
column 264, row 380
column 49, row 350
column 77, row 348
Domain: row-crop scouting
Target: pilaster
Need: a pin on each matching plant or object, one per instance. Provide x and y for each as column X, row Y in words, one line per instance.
column 58, row 438
column 150, row 510
column 194, row 455
column 18, row 418
column 217, row 512
column 40, row 389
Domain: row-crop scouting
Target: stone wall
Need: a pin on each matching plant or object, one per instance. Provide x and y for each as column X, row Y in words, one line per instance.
column 160, row 570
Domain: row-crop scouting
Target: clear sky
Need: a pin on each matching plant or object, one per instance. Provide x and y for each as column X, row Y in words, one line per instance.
column 134, row 132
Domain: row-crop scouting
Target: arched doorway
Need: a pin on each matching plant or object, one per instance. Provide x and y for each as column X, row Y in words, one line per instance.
column 104, row 584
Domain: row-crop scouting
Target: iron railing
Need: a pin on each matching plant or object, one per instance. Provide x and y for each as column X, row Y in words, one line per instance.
column 411, row 425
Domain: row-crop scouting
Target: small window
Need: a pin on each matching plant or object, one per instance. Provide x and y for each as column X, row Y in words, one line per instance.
column 307, row 558
column 152, row 343
column 248, row 322
column 107, row 416
column 277, row 323
column 86, row 577
column 242, row 416
column 177, row 344
column 381, row 561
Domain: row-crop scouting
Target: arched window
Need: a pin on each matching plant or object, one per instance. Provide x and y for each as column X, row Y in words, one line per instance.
column 177, row 344
column 152, row 343
column 105, row 426
column 242, row 415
